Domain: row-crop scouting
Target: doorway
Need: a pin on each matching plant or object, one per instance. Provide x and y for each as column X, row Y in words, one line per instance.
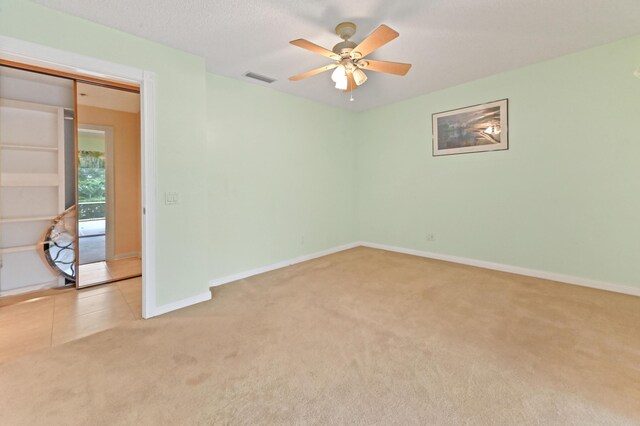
column 39, row 251
column 66, row 216
column 51, row 61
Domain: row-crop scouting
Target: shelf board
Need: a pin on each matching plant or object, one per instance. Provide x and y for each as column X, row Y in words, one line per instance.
column 29, row 106
column 26, row 219
column 29, row 147
column 29, row 179
column 17, row 249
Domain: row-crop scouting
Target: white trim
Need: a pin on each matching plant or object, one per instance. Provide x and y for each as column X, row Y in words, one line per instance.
column 36, row 54
column 198, row 298
column 148, row 167
column 283, row 264
column 552, row 276
column 29, row 53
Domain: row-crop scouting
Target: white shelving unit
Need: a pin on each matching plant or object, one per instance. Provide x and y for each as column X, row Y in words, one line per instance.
column 31, row 190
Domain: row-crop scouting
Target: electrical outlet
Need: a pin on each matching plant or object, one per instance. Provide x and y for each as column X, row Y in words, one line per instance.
column 430, row 237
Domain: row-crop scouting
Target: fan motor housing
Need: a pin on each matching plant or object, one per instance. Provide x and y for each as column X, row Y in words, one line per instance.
column 344, row 48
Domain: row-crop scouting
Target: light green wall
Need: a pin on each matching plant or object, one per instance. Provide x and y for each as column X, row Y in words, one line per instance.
column 181, row 130
column 280, row 169
column 257, row 170
column 564, row 198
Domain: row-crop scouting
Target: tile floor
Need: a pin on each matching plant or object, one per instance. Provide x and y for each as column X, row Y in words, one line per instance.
column 54, row 317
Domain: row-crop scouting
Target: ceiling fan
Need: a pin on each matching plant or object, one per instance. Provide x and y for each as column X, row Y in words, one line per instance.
column 349, row 57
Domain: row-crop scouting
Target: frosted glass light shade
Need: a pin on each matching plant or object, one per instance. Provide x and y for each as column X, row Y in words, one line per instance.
column 339, row 76
column 338, row 73
column 342, row 85
column 359, row 76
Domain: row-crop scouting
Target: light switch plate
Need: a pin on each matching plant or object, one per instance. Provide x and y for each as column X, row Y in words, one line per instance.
column 171, row 198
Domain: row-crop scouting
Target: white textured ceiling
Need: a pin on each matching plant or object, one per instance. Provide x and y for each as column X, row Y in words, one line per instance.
column 448, row 41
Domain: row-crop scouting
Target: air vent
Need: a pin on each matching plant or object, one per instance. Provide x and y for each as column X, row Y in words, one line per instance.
column 260, row 77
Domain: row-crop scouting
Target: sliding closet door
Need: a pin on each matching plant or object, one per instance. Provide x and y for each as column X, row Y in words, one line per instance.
column 109, row 180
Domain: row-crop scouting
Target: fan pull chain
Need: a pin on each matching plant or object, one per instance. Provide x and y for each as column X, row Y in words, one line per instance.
column 351, row 93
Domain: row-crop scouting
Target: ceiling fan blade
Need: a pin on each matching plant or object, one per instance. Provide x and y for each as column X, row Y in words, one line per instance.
column 381, row 36
column 396, row 68
column 305, row 44
column 351, row 83
column 313, row 72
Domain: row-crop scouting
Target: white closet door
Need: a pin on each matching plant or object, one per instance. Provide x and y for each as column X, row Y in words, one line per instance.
column 31, row 190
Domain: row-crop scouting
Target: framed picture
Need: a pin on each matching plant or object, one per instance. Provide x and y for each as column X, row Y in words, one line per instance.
column 476, row 128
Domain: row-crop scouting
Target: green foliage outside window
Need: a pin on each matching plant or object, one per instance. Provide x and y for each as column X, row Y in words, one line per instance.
column 92, row 188
column 91, row 176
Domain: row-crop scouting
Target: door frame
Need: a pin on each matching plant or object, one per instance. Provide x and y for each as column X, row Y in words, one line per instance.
column 79, row 67
column 110, row 171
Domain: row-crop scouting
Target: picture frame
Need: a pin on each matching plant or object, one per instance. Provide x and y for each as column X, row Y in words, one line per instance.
column 478, row 128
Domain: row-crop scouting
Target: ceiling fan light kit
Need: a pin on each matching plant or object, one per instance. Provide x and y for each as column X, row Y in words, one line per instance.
column 348, row 56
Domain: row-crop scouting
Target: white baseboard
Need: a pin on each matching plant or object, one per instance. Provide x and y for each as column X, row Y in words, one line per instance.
column 163, row 309
column 273, row 266
column 552, row 276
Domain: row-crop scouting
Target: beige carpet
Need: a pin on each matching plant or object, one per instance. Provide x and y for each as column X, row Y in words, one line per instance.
column 359, row 337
